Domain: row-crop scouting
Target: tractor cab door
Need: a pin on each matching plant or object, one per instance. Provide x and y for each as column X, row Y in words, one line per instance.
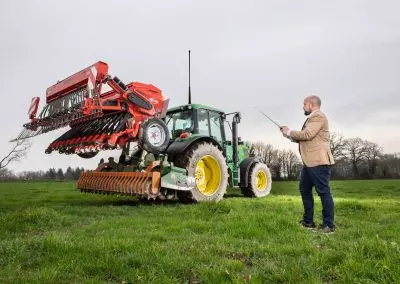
column 210, row 123
column 180, row 122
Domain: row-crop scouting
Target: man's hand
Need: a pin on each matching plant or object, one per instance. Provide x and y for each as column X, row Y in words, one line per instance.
column 285, row 131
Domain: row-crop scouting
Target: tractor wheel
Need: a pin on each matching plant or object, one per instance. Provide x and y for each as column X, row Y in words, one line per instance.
column 87, row 155
column 206, row 163
column 259, row 182
column 154, row 136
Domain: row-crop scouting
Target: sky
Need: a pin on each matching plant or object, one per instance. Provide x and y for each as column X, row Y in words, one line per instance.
column 269, row 54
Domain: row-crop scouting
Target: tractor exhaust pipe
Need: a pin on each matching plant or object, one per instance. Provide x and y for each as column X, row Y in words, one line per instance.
column 190, row 91
column 235, row 138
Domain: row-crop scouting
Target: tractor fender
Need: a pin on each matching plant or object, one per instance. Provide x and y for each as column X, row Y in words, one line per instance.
column 244, row 169
column 178, row 147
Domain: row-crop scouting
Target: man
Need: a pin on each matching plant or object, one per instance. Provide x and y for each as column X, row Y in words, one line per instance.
column 317, row 159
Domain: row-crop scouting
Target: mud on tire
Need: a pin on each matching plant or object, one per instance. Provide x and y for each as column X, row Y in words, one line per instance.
column 259, row 181
column 206, row 163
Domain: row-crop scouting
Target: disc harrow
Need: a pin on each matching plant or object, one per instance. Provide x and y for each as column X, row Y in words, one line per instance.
column 94, row 135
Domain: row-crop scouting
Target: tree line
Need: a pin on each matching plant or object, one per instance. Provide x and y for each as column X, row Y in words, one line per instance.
column 50, row 174
column 355, row 158
column 18, row 152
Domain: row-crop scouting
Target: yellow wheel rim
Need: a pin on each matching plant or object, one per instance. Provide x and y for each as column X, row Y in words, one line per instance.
column 261, row 180
column 208, row 175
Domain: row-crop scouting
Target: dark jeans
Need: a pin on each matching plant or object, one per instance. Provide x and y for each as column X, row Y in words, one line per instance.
column 319, row 177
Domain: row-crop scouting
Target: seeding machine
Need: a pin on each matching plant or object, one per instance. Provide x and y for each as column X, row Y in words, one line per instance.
column 181, row 152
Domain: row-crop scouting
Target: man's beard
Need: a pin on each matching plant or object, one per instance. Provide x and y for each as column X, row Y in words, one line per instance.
column 307, row 112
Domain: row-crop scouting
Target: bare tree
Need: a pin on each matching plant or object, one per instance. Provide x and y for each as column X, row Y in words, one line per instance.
column 355, row 151
column 293, row 164
column 6, row 174
column 373, row 153
column 263, row 151
column 337, row 145
column 268, row 154
column 31, row 175
column 290, row 164
column 283, row 163
column 277, row 164
column 390, row 165
column 18, row 151
column 283, row 158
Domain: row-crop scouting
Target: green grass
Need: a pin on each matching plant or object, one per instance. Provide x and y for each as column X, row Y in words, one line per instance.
column 50, row 233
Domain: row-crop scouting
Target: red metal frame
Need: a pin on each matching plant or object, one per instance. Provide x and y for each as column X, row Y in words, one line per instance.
column 95, row 105
column 96, row 72
column 33, row 108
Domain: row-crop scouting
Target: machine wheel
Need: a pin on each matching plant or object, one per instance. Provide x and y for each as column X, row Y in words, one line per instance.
column 260, row 181
column 87, row 155
column 154, row 136
column 206, row 163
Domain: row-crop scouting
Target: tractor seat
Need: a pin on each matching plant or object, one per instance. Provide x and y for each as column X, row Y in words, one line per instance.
column 177, row 132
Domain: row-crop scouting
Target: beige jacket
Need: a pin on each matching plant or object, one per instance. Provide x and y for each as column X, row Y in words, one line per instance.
column 313, row 140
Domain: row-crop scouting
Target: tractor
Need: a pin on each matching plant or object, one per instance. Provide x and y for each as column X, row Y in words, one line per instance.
column 181, row 152
column 199, row 145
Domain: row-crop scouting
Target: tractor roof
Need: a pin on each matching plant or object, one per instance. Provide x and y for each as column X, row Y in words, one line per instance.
column 194, row 106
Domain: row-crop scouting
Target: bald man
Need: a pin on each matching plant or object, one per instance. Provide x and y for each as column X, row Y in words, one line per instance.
column 313, row 140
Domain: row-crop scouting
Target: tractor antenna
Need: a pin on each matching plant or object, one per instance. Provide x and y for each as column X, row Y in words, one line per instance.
column 190, row 93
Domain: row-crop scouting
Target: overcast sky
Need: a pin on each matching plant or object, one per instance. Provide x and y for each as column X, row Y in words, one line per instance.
column 244, row 53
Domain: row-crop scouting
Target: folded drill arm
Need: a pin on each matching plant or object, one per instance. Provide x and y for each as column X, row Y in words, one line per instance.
column 98, row 120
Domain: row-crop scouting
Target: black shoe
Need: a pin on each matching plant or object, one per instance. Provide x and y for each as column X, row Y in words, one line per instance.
column 307, row 225
column 327, row 230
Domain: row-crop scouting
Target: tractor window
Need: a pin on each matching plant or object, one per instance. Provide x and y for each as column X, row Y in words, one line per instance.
column 203, row 122
column 179, row 123
column 215, row 123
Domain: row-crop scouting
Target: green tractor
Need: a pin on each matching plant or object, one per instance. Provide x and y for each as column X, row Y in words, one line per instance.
column 186, row 155
column 200, row 146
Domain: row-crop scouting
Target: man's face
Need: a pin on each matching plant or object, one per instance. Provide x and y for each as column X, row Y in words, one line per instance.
column 307, row 107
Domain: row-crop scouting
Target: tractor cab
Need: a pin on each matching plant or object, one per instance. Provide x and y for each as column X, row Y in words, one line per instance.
column 194, row 121
column 191, row 124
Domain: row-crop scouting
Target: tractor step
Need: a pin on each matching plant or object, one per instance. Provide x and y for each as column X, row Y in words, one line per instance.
column 141, row 184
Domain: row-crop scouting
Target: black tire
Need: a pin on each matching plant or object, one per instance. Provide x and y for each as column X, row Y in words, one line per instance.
column 206, row 163
column 87, row 155
column 159, row 129
column 259, row 182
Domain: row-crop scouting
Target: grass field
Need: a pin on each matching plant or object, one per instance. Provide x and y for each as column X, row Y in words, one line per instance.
column 51, row 233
